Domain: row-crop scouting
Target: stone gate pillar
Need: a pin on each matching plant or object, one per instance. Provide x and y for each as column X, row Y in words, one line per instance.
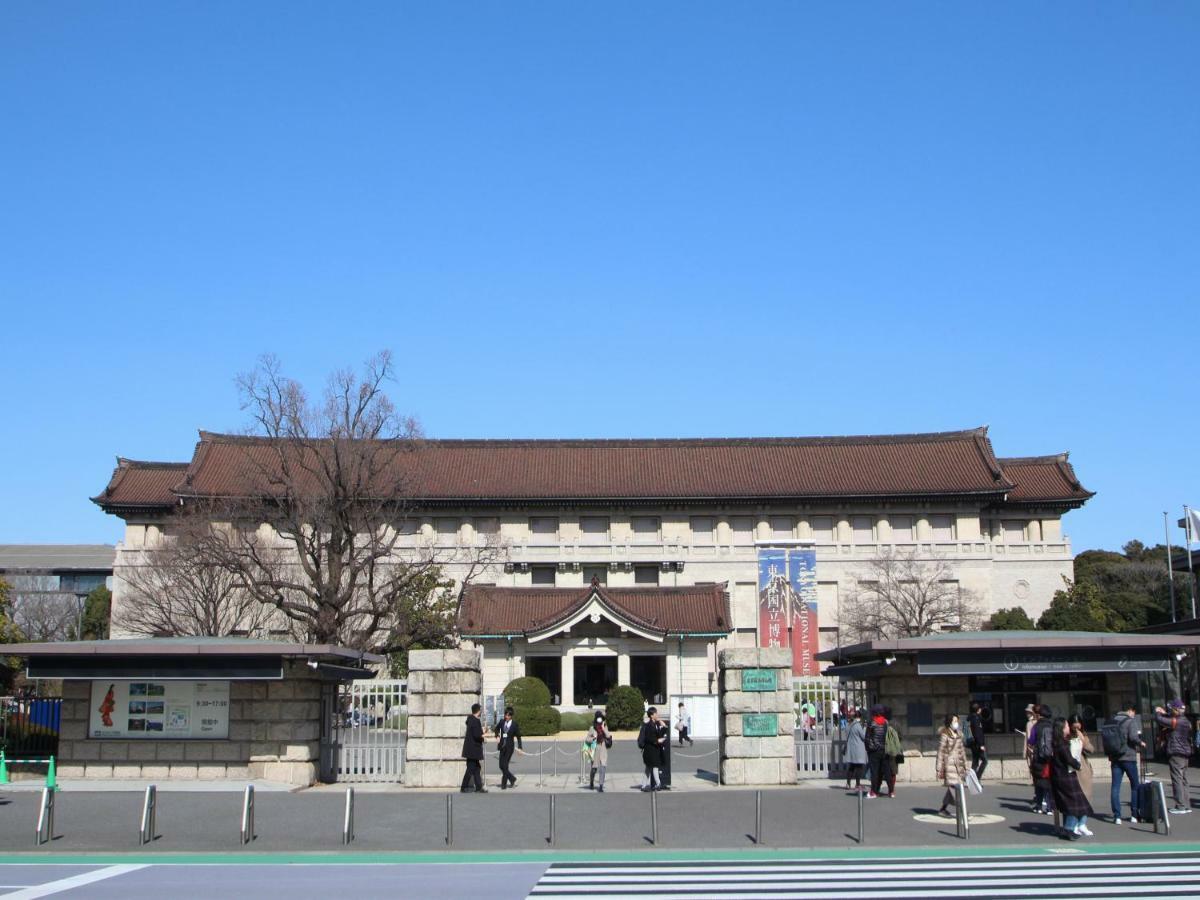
column 442, row 685
column 758, row 719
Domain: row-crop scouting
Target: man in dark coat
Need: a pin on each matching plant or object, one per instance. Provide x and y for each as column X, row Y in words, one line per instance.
column 653, row 736
column 508, row 733
column 472, row 752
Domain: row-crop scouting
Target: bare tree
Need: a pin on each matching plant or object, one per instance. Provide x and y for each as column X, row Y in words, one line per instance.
column 175, row 589
column 318, row 535
column 904, row 596
column 45, row 616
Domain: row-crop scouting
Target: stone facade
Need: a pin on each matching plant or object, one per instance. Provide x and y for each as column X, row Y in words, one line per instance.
column 442, row 686
column 769, row 759
column 274, row 730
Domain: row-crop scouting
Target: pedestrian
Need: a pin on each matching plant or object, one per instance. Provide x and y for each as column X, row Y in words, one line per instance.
column 650, row 742
column 1064, row 781
column 1041, row 760
column 683, row 724
column 508, row 734
column 1178, row 740
column 1081, row 749
column 979, row 757
column 601, row 741
column 1122, row 742
column 472, row 752
column 951, row 766
column 1027, row 735
column 877, row 757
column 856, row 751
column 895, row 751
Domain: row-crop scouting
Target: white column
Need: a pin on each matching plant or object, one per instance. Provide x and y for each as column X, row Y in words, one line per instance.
column 568, row 679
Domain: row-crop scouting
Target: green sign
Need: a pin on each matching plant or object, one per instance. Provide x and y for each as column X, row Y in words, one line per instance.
column 760, row 724
column 758, row 680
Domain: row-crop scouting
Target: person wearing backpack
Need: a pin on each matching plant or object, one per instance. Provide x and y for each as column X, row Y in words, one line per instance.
column 1179, row 751
column 893, row 748
column 1122, row 741
column 1040, row 747
column 876, row 743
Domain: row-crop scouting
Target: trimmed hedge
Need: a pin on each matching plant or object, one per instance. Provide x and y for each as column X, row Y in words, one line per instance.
column 573, row 721
column 536, row 721
column 625, row 708
column 528, row 691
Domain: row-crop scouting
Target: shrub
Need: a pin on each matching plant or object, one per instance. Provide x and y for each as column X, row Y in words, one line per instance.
column 573, row 721
column 625, row 708
column 536, row 721
column 527, row 692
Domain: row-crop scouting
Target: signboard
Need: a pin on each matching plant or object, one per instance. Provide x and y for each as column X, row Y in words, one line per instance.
column 760, row 724
column 758, row 680
column 1010, row 662
column 787, row 604
column 159, row 710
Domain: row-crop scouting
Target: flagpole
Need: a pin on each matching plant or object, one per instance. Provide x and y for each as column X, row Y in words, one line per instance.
column 1170, row 567
column 1187, row 522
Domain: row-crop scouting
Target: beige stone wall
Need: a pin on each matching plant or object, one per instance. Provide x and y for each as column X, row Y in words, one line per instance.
column 756, row 760
column 442, row 685
column 274, row 727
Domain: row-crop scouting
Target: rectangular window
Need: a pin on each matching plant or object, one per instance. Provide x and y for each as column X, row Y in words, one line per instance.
column 645, row 529
column 702, row 530
column 447, row 528
column 542, row 576
column 943, row 527
column 645, row 574
column 781, row 527
column 595, row 529
column 743, row 530
column 409, row 526
column 902, row 529
column 487, row 525
column 1014, row 531
column 822, row 527
column 599, row 574
column 863, row 529
column 544, row 527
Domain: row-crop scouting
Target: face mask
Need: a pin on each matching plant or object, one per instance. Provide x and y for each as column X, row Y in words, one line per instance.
column 954, row 725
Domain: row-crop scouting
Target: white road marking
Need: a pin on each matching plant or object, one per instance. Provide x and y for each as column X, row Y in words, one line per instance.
column 74, row 881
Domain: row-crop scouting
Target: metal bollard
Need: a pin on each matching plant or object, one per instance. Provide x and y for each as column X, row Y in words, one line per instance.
column 963, row 816
column 860, row 817
column 654, row 818
column 552, row 835
column 45, row 824
column 758, row 818
column 348, row 823
column 248, row 815
column 541, row 776
column 449, row 820
column 149, row 813
column 1158, row 799
column 554, row 753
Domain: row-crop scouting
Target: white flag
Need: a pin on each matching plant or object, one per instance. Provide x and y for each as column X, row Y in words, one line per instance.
column 1193, row 525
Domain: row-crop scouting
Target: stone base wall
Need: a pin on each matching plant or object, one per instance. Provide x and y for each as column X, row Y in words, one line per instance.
column 756, row 760
column 274, row 730
column 442, row 686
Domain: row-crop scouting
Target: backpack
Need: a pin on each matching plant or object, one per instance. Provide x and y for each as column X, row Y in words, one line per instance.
column 1043, row 748
column 873, row 742
column 1114, row 743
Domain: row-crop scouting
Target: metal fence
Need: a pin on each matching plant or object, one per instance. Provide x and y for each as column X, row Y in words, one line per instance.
column 29, row 726
column 372, row 729
column 824, row 707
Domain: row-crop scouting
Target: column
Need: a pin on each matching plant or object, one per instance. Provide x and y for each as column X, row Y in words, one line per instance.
column 568, row 679
column 622, row 664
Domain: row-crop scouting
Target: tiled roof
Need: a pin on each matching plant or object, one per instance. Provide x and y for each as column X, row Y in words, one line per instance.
column 57, row 557
column 1043, row 479
column 950, row 464
column 491, row 610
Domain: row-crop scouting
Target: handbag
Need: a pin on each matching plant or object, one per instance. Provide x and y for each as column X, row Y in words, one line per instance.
column 973, row 783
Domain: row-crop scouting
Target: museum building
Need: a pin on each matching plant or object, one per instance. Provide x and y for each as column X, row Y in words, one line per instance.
column 635, row 561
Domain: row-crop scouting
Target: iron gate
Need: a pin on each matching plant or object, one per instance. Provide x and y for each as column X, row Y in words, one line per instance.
column 824, row 706
column 371, row 724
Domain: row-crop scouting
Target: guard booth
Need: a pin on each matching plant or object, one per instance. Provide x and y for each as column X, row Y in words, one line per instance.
column 198, row 708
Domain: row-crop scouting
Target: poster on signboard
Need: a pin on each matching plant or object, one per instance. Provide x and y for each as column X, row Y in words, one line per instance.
column 774, row 597
column 176, row 710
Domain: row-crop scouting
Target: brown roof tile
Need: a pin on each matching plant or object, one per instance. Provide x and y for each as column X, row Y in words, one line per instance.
column 491, row 610
column 137, row 483
column 1044, row 479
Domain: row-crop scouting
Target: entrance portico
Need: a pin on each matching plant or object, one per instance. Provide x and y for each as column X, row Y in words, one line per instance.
column 583, row 642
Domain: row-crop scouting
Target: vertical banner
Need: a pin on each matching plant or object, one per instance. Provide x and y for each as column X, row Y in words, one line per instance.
column 802, row 578
column 774, row 597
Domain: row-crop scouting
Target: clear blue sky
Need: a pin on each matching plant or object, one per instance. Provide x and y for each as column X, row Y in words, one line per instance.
column 605, row 219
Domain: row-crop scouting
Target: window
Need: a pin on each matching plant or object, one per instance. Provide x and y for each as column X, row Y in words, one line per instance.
column 1014, row 531
column 544, row 528
column 645, row 529
column 702, row 530
column 863, row 529
column 542, row 576
column 447, row 528
column 645, row 574
column 743, row 530
column 943, row 527
column 409, row 526
column 902, row 529
column 822, row 527
column 487, row 525
column 594, row 528
column 599, row 574
column 781, row 527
